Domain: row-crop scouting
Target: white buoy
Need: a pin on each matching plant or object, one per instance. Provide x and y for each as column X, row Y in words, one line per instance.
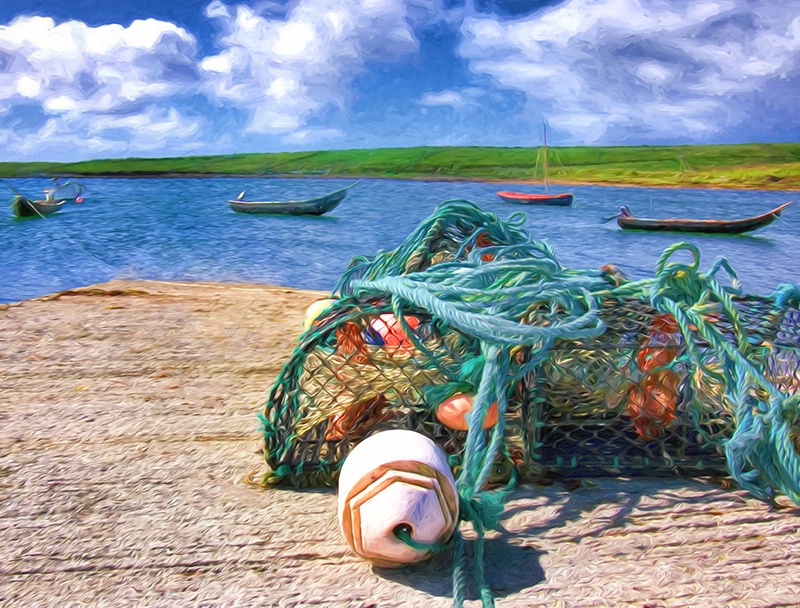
column 396, row 479
column 315, row 310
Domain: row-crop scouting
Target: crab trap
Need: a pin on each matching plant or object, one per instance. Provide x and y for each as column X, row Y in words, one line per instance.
column 473, row 334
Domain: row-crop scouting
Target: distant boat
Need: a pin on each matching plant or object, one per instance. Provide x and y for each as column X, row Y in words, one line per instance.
column 65, row 192
column 560, row 200
column 626, row 221
column 311, row 206
column 25, row 207
column 521, row 198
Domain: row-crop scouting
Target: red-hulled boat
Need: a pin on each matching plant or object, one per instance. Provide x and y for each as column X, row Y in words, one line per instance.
column 520, row 198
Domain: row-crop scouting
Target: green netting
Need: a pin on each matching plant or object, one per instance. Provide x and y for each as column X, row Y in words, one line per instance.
column 630, row 395
column 592, row 374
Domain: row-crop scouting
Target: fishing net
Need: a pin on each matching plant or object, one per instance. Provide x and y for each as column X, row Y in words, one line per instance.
column 607, row 379
column 569, row 372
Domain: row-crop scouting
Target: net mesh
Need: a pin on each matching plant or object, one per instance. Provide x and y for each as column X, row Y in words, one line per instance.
column 642, row 391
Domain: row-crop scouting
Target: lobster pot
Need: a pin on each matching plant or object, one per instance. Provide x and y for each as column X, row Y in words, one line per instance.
column 627, row 403
column 630, row 400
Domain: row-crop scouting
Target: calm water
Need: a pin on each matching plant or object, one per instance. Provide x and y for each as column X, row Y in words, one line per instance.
column 182, row 229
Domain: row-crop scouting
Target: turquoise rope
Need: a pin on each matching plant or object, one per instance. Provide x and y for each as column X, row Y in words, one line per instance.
column 761, row 455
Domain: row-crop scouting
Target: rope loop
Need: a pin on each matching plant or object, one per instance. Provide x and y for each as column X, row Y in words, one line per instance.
column 664, row 265
column 724, row 264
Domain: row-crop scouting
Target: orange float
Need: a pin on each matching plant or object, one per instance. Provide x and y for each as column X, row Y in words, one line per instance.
column 654, row 400
column 359, row 418
column 350, row 342
column 653, row 403
column 454, row 411
column 483, row 241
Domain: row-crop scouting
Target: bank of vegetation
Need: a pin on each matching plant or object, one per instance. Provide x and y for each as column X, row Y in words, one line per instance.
column 767, row 166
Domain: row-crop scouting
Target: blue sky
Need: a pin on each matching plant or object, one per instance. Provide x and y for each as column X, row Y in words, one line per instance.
column 103, row 78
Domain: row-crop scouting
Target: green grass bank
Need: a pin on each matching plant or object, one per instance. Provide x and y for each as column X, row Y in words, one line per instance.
column 764, row 166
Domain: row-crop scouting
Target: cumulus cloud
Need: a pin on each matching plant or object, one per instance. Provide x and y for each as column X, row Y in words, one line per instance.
column 71, row 68
column 109, row 87
column 286, row 69
column 373, row 72
column 604, row 70
column 153, row 130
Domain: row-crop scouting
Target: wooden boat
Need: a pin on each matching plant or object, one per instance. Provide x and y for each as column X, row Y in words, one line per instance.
column 521, row 198
column 626, row 221
column 311, row 206
column 560, row 200
column 55, row 198
column 25, row 207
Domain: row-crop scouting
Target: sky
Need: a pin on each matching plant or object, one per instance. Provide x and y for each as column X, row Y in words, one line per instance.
column 83, row 79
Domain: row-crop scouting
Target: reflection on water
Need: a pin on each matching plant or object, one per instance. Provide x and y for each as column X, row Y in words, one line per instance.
column 182, row 229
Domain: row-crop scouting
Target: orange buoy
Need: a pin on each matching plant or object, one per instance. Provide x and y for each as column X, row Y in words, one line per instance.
column 482, row 241
column 653, row 403
column 454, row 411
column 359, row 418
column 654, row 400
column 661, row 344
column 350, row 342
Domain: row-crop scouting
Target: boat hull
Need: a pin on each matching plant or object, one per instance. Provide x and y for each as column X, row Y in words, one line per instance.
column 312, row 206
column 739, row 226
column 25, row 207
column 520, row 198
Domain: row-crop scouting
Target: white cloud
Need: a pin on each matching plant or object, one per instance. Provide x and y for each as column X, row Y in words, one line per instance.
column 27, row 86
column 96, row 69
column 285, row 70
column 60, row 104
column 152, row 131
column 87, row 78
column 597, row 70
column 294, row 39
column 443, row 98
column 600, row 68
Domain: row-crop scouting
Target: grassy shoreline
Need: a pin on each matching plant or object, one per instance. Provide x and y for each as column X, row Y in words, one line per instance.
column 745, row 166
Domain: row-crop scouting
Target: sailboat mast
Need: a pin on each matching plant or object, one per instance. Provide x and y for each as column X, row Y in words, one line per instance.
column 544, row 161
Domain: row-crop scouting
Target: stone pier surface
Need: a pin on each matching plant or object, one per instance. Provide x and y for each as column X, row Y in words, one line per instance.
column 129, row 429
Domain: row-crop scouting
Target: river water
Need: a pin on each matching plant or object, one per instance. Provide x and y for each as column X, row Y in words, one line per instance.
column 182, row 229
